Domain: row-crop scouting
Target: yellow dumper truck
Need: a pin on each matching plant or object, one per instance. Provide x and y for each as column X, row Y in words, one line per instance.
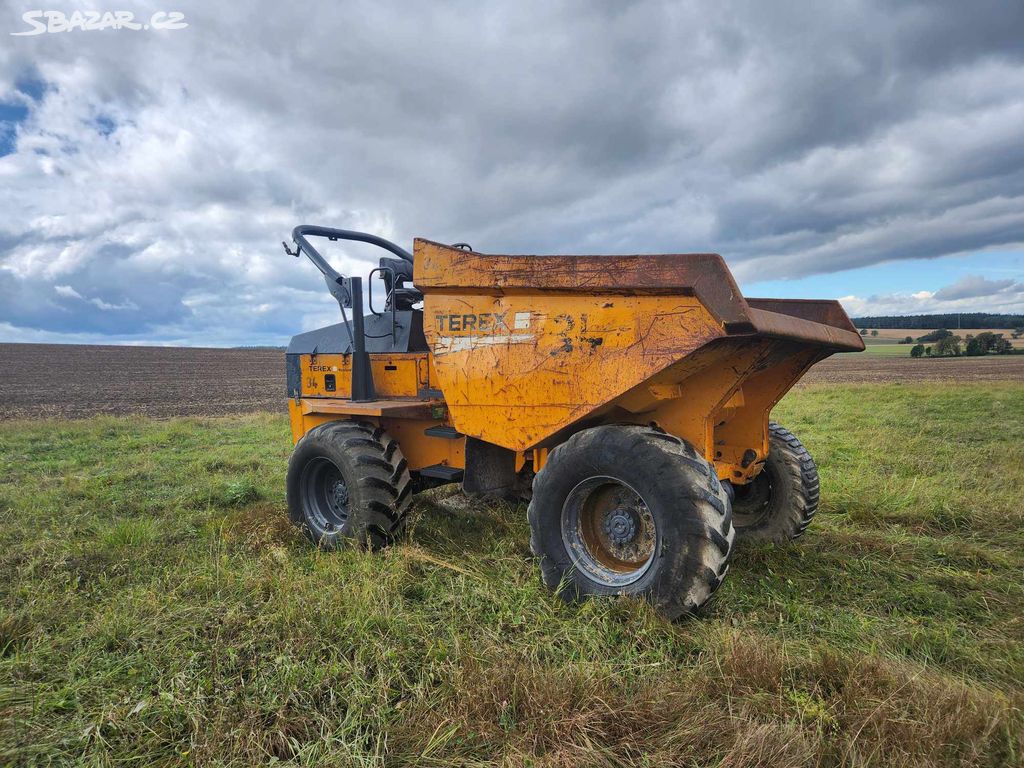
column 627, row 397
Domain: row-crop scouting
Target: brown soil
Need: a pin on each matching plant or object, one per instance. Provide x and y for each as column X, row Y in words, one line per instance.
column 72, row 381
column 861, row 368
column 75, row 381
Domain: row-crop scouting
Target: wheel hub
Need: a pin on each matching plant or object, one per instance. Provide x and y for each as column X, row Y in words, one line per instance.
column 621, row 526
column 339, row 496
column 325, row 496
column 608, row 531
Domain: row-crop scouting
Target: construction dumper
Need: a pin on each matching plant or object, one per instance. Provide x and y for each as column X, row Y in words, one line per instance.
column 627, row 397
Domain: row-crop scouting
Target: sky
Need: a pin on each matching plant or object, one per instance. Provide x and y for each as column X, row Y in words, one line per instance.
column 867, row 151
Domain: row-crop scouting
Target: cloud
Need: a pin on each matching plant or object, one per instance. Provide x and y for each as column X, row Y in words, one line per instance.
column 971, row 293
column 155, row 174
column 975, row 286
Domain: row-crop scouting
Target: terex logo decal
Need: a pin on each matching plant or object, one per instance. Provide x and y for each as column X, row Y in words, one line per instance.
column 484, row 322
column 461, row 332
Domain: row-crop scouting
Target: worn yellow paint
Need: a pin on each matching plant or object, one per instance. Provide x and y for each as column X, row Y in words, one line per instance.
column 406, row 426
column 519, row 384
column 394, row 375
column 421, row 450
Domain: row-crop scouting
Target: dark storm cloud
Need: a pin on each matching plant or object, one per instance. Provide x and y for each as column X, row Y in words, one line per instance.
column 155, row 173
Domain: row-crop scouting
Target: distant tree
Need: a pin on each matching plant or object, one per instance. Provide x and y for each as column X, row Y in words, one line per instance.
column 980, row 344
column 928, row 351
column 986, row 342
column 1017, row 332
column 947, row 346
column 907, row 340
column 863, row 331
column 942, row 333
column 917, row 350
column 1001, row 346
column 874, row 333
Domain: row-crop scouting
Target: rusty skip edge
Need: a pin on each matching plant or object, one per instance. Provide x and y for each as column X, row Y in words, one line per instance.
column 705, row 276
column 782, row 326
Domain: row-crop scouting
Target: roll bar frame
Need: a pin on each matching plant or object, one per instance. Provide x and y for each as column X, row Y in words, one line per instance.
column 339, row 285
column 348, row 291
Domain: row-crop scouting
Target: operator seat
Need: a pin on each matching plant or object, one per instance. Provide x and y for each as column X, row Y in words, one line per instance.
column 403, row 296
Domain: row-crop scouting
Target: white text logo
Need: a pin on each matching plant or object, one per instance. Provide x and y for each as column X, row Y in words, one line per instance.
column 43, row 22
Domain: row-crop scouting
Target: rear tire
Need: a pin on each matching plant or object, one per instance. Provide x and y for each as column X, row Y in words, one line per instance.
column 629, row 510
column 781, row 501
column 348, row 480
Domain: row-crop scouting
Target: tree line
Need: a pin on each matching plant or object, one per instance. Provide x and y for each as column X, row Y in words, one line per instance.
column 962, row 321
column 947, row 344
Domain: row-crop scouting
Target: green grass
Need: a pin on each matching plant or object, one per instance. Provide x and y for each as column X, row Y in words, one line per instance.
column 157, row 609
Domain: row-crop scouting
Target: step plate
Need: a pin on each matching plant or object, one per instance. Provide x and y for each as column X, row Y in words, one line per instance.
column 448, row 433
column 442, row 472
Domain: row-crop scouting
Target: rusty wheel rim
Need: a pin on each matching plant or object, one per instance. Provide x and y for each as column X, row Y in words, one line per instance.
column 608, row 531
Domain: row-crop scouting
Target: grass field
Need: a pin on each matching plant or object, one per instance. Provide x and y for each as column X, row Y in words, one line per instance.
column 876, row 348
column 157, row 609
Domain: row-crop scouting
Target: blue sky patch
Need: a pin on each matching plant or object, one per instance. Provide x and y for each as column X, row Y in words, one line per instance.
column 10, row 116
column 14, row 110
column 104, row 125
column 896, row 277
column 31, row 86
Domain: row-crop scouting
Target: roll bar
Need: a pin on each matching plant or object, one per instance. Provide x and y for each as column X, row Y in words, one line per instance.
column 339, row 285
column 349, row 293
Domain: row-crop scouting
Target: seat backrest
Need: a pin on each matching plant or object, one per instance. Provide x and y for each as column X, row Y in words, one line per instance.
column 401, row 292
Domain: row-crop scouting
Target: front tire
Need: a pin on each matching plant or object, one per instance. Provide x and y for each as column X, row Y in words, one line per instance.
column 348, row 480
column 779, row 504
column 629, row 510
